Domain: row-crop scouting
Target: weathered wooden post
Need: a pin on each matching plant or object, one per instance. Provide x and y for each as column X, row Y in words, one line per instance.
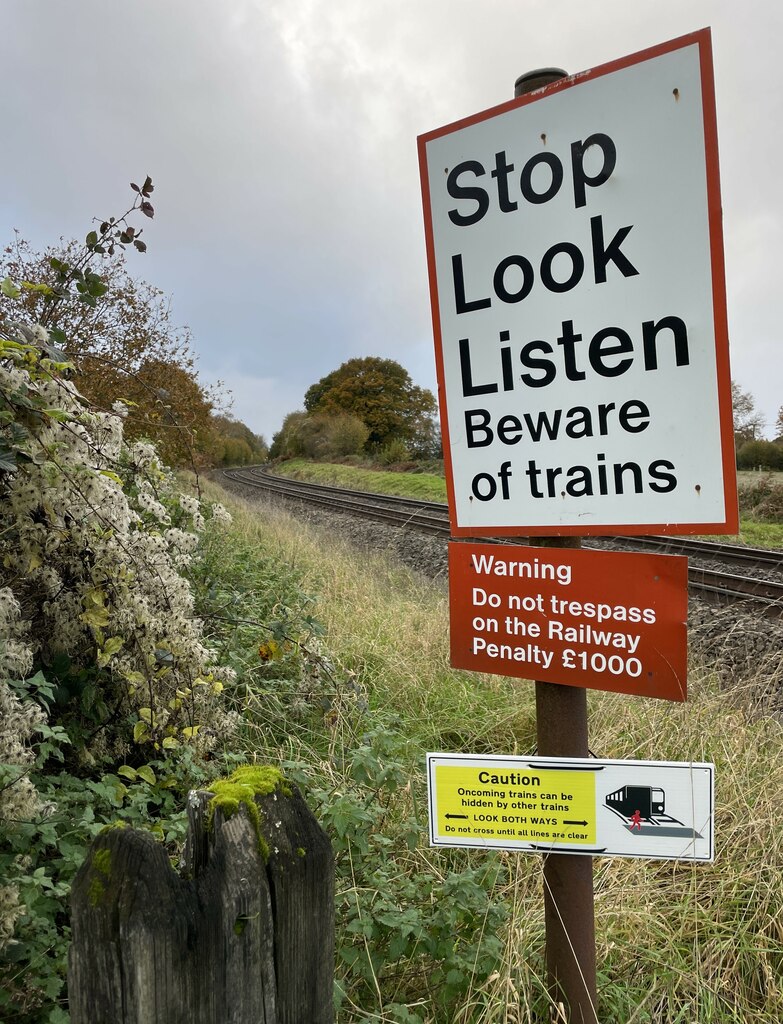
column 244, row 935
column 561, row 727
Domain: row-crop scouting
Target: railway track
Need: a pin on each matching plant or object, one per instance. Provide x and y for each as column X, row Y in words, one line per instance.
column 756, row 574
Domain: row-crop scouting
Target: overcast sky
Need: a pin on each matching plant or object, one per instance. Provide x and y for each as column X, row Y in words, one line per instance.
column 281, row 137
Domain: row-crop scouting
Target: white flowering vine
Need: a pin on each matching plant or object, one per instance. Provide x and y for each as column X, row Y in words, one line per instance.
column 94, row 540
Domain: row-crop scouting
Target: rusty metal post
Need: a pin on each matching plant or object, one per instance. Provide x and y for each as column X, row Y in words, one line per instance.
column 561, row 724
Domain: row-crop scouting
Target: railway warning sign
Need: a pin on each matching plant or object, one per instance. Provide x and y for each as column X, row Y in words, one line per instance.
column 651, row 809
column 606, row 620
column 575, row 257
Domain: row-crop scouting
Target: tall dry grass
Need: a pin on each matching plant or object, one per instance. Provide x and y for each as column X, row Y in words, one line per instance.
column 676, row 942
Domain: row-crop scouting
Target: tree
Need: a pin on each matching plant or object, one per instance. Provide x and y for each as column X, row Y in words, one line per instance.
column 234, row 443
column 287, row 443
column 169, row 405
column 381, row 394
column 760, row 455
column 748, row 422
column 118, row 331
column 779, row 425
column 227, row 426
column 330, row 436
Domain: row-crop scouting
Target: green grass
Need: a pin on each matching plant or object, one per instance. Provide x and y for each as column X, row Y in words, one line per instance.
column 427, row 486
column 760, row 535
column 676, row 942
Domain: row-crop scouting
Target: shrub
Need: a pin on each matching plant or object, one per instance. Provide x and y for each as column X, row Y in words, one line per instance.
column 393, row 452
column 94, row 541
column 763, row 498
column 760, row 455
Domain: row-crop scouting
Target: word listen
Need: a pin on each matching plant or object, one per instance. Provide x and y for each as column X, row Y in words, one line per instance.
column 573, row 359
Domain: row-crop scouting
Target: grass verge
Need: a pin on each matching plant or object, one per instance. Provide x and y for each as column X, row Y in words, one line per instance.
column 427, row 486
column 456, row 937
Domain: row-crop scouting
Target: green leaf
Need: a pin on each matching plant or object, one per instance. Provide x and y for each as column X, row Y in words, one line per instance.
column 7, row 460
column 126, row 771
column 41, row 289
column 91, row 239
column 56, row 354
column 9, row 289
column 112, row 476
column 141, row 732
column 109, row 649
column 146, row 773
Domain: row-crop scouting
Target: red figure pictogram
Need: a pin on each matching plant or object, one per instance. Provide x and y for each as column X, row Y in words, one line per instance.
column 636, row 820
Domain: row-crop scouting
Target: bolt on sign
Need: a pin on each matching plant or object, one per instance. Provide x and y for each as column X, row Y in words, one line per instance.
column 575, row 255
column 606, row 620
column 650, row 809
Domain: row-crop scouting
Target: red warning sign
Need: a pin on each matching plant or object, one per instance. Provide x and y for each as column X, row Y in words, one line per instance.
column 599, row 619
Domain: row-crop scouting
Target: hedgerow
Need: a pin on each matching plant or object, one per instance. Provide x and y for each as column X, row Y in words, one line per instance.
column 145, row 648
column 95, row 610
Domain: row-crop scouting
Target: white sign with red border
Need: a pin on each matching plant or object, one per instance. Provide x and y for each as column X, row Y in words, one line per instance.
column 576, row 273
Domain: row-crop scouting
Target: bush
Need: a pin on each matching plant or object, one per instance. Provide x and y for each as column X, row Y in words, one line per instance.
column 235, row 452
column 393, row 452
column 94, row 542
column 760, row 455
column 763, row 499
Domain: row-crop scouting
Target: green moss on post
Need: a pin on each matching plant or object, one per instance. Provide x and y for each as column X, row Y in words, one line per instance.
column 241, row 789
column 100, row 865
column 96, row 892
column 102, row 861
column 119, row 823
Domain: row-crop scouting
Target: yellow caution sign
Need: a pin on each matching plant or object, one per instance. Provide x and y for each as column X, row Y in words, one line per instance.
column 534, row 805
column 657, row 809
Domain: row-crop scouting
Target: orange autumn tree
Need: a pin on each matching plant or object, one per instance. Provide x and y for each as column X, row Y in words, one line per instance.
column 118, row 332
column 382, row 395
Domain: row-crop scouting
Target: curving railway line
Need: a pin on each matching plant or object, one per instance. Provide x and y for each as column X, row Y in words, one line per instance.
column 717, row 571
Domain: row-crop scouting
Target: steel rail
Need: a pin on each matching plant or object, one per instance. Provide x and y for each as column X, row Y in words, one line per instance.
column 432, row 517
column 739, row 554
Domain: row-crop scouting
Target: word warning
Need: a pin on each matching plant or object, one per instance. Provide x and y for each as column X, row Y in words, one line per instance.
column 660, row 809
column 605, row 620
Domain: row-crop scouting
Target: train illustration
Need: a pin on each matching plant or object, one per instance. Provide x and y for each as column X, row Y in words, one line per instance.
column 647, row 800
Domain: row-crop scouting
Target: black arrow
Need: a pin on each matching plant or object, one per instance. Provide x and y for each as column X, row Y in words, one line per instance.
column 566, row 822
column 456, row 816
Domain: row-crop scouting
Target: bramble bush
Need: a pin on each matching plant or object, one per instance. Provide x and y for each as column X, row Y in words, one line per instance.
column 412, row 930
